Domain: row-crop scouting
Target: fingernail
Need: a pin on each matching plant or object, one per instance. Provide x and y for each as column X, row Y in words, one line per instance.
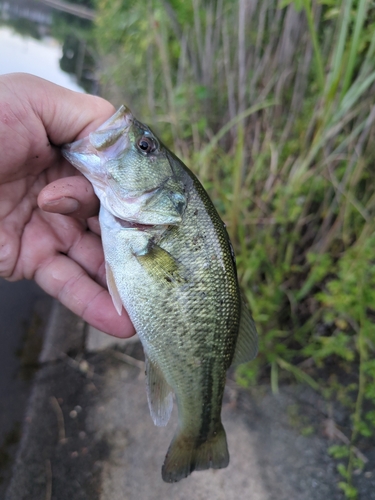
column 64, row 205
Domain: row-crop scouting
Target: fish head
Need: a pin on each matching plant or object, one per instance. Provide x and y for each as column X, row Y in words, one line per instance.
column 131, row 171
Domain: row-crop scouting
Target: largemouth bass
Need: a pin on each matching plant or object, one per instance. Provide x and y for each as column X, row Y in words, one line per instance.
column 169, row 261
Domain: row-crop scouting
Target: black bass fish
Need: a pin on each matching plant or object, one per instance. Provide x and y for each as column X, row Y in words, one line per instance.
column 169, row 261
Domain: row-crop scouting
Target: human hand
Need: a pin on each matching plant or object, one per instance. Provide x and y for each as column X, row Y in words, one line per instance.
column 49, row 231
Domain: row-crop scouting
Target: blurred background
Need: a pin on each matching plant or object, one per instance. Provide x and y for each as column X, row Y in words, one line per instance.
column 271, row 104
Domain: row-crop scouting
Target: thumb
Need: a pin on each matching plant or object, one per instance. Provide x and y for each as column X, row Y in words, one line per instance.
column 65, row 114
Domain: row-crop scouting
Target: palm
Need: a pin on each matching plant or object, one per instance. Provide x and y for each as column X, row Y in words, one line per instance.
column 33, row 236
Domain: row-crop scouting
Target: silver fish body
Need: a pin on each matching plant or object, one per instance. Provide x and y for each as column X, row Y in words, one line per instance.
column 169, row 261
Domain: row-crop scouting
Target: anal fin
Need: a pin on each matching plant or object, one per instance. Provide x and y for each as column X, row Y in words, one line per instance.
column 159, row 394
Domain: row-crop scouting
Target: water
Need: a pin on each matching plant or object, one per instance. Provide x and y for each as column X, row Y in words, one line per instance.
column 38, row 57
column 26, row 45
column 39, row 54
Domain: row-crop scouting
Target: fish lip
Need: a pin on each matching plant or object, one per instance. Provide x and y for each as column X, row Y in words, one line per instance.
column 85, row 159
column 77, row 153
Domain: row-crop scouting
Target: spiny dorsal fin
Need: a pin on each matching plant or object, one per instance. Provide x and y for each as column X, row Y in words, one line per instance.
column 247, row 340
column 159, row 394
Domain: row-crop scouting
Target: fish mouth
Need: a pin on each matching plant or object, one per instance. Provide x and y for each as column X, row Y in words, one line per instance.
column 84, row 157
column 126, row 224
column 90, row 154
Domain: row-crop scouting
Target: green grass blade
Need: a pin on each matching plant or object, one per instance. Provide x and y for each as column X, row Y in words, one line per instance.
column 316, row 47
column 337, row 61
column 360, row 17
column 227, row 127
column 298, row 373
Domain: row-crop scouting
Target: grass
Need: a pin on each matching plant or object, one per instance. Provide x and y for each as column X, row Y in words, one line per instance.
column 271, row 104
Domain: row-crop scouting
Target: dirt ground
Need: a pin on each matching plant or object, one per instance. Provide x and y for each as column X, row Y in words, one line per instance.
column 88, row 435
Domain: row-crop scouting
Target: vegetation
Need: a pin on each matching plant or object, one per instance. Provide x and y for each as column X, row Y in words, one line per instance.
column 272, row 104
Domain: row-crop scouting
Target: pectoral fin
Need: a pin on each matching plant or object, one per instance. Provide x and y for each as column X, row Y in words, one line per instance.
column 247, row 341
column 159, row 394
column 161, row 265
column 112, row 288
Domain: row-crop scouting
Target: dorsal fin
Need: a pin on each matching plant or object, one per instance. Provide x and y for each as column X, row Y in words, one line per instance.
column 247, row 340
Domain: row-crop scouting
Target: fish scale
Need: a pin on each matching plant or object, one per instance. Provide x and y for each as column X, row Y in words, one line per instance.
column 170, row 263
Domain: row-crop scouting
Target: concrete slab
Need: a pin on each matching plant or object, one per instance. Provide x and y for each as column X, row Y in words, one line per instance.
column 23, row 312
column 98, row 341
column 65, row 333
column 48, row 465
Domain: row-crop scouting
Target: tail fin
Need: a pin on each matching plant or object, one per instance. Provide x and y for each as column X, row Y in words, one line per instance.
column 185, row 455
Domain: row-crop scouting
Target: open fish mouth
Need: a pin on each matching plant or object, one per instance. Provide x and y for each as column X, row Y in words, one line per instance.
column 90, row 154
column 134, row 225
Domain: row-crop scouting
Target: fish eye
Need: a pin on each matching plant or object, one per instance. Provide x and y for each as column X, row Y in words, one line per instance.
column 146, row 145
